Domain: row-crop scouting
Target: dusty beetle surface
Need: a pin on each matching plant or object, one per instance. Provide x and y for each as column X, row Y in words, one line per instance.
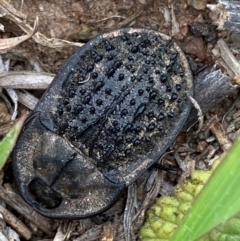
column 109, row 114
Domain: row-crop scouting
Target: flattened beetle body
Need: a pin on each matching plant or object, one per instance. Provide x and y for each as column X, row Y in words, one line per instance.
column 109, row 114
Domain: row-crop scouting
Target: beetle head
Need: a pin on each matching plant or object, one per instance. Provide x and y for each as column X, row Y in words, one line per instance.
column 56, row 178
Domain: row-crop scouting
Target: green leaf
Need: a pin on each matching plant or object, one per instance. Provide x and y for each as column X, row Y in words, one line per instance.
column 7, row 144
column 218, row 200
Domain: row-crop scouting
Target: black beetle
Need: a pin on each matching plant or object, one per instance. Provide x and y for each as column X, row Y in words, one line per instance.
column 111, row 111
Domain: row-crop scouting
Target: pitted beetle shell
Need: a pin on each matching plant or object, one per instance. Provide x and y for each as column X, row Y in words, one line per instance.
column 109, row 114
